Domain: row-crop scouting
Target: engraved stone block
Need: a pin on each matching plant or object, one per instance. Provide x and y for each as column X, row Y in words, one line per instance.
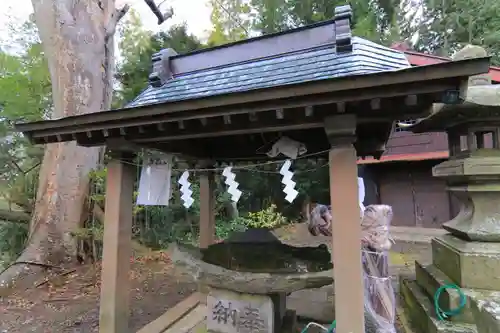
column 231, row 312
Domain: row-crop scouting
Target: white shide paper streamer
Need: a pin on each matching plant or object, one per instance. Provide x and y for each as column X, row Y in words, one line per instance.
column 289, row 189
column 232, row 184
column 186, row 192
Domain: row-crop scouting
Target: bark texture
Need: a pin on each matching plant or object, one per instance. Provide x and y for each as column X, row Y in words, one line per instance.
column 77, row 37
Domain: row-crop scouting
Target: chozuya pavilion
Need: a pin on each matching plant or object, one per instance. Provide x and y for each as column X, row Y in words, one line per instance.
column 317, row 85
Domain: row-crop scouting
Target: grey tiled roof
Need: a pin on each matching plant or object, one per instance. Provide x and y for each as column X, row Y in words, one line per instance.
column 307, row 65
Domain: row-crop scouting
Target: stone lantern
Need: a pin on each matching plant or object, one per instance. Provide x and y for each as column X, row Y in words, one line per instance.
column 469, row 256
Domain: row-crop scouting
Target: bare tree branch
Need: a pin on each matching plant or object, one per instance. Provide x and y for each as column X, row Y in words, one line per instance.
column 33, row 167
column 13, row 163
column 115, row 18
column 162, row 17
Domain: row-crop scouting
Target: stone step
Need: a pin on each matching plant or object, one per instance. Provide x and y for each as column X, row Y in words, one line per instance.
column 420, row 311
column 430, row 279
column 486, row 311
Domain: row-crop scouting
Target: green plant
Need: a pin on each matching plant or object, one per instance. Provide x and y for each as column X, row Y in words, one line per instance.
column 12, row 239
column 224, row 228
column 266, row 218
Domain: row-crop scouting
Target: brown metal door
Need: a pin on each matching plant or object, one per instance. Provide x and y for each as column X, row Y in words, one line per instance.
column 432, row 202
column 396, row 190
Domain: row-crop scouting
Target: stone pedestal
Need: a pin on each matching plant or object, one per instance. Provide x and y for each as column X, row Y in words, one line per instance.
column 231, row 312
column 469, row 256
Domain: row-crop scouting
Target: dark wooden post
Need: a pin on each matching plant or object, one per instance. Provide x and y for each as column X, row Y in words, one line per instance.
column 114, row 307
column 346, row 226
column 207, row 209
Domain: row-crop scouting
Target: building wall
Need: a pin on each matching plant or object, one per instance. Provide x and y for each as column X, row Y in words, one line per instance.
column 417, row 198
column 410, row 143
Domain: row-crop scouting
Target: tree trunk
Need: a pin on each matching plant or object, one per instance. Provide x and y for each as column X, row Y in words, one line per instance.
column 232, row 210
column 77, row 38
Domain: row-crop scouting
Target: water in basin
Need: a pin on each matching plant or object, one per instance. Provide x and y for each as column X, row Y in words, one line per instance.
column 259, row 251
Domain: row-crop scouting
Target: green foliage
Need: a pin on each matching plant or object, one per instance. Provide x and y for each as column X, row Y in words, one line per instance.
column 375, row 20
column 157, row 226
column 270, row 15
column 266, row 218
column 137, row 45
column 443, row 27
column 12, row 241
column 224, row 228
column 25, row 95
column 231, row 21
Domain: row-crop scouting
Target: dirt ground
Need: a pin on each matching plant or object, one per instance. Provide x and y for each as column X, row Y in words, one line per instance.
column 70, row 303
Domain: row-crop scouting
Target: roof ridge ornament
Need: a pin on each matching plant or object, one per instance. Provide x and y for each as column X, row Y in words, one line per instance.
column 162, row 71
column 343, row 34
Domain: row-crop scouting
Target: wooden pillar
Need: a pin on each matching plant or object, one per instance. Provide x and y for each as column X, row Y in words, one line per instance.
column 207, row 209
column 346, row 226
column 115, row 291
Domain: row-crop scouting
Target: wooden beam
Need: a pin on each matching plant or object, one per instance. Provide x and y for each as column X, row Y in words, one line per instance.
column 309, row 110
column 346, row 226
column 380, row 91
column 288, row 120
column 341, row 107
column 207, row 209
column 252, row 116
column 121, row 145
column 189, row 322
column 114, row 306
column 173, row 315
column 233, row 131
column 375, row 104
column 411, row 100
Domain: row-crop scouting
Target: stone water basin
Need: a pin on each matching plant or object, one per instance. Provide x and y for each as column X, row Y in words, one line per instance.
column 255, row 262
